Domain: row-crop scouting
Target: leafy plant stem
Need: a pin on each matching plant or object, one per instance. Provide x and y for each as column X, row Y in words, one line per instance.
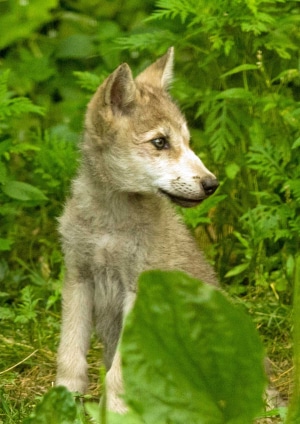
column 103, row 419
column 245, row 81
column 294, row 409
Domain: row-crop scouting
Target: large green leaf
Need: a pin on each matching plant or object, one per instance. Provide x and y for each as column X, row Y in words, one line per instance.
column 190, row 355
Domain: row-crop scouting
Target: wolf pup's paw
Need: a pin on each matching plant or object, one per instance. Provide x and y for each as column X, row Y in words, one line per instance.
column 73, row 384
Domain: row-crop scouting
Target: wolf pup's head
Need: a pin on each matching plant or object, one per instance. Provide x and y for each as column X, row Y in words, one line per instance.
column 137, row 140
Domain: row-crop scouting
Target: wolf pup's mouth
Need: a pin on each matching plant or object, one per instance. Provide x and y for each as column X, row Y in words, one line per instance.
column 182, row 201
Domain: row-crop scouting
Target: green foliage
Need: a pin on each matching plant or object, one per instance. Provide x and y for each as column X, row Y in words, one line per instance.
column 20, row 19
column 12, row 190
column 12, row 106
column 27, row 309
column 237, row 79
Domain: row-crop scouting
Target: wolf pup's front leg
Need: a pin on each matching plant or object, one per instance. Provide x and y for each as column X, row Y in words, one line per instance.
column 75, row 335
column 114, row 382
column 114, row 387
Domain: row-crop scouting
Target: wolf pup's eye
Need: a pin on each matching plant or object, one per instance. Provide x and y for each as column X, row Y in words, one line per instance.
column 160, row 143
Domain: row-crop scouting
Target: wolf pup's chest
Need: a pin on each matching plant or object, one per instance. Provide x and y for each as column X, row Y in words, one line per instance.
column 118, row 249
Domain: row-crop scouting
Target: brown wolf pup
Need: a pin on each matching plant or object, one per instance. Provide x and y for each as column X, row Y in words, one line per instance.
column 119, row 221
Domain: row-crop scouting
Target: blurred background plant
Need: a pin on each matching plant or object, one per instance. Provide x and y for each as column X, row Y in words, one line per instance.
column 238, row 82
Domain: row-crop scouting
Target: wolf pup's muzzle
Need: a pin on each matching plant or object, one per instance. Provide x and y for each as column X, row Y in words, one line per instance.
column 209, row 185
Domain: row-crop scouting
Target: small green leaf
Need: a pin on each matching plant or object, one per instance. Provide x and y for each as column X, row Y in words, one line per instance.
column 23, row 191
column 241, row 68
column 3, row 172
column 237, row 270
column 286, row 75
column 235, row 93
column 232, row 170
column 290, row 266
column 296, row 143
column 5, row 244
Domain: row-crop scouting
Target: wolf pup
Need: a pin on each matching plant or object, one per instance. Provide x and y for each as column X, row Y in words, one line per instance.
column 119, row 221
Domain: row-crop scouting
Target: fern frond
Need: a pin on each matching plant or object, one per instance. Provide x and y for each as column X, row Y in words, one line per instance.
column 294, row 186
column 89, row 81
column 224, row 126
column 3, row 84
column 14, row 106
column 149, row 40
column 258, row 23
column 267, row 161
column 295, row 226
column 170, row 9
column 18, row 106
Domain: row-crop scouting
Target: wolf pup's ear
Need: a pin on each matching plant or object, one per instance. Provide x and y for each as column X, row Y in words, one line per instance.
column 160, row 73
column 119, row 92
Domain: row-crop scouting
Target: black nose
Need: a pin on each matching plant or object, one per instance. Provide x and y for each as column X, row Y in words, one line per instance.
column 209, row 185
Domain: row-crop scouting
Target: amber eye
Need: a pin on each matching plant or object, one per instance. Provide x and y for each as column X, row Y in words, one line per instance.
column 160, row 143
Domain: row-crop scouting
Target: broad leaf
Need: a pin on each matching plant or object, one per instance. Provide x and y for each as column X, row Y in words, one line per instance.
column 190, row 355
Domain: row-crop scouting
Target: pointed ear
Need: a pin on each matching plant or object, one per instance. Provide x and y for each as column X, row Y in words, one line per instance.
column 160, row 73
column 119, row 91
